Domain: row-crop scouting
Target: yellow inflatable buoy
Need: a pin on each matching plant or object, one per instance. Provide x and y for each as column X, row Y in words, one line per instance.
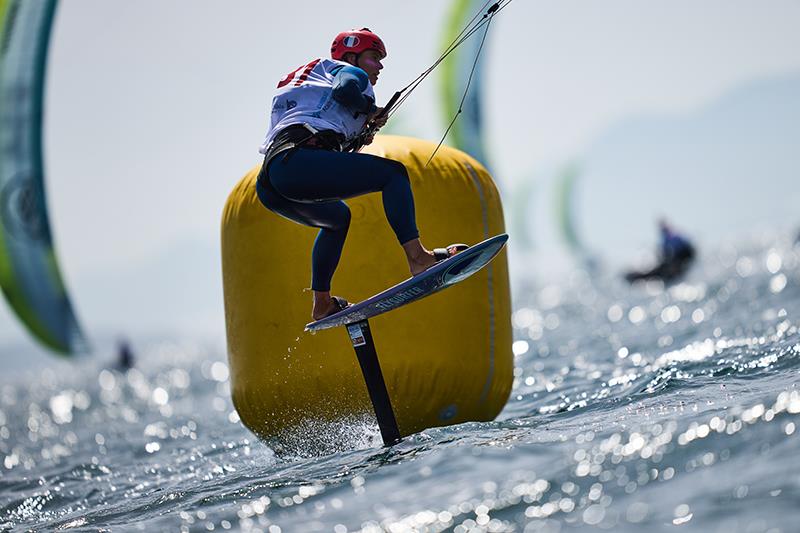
column 446, row 359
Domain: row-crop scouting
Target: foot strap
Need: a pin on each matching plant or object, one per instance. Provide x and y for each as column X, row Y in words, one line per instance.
column 440, row 254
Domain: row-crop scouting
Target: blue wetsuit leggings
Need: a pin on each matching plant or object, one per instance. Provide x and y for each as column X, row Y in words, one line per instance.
column 308, row 185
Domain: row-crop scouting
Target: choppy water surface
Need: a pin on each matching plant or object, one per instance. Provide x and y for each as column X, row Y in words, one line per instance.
column 632, row 409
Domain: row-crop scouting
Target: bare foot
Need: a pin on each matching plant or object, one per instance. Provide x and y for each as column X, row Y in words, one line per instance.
column 421, row 262
column 321, row 311
column 419, row 258
column 325, row 305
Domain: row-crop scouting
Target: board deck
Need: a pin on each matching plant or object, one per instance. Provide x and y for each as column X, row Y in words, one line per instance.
column 438, row 277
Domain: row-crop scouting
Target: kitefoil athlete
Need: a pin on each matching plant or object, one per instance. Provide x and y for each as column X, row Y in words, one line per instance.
column 322, row 112
column 676, row 256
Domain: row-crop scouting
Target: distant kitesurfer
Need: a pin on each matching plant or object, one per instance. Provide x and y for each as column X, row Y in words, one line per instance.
column 124, row 355
column 320, row 116
column 675, row 257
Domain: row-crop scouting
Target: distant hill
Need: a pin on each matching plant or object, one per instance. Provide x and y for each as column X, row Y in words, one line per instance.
column 727, row 168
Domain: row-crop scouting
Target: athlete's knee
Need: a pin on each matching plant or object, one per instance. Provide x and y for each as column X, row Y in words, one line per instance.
column 398, row 174
column 344, row 218
column 399, row 168
column 336, row 218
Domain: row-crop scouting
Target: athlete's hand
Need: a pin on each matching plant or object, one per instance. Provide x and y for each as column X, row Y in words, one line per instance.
column 373, row 124
column 376, row 120
column 369, row 138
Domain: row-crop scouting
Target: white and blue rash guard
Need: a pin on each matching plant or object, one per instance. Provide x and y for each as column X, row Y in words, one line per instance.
column 326, row 94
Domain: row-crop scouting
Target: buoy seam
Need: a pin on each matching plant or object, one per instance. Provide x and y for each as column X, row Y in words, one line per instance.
column 490, row 284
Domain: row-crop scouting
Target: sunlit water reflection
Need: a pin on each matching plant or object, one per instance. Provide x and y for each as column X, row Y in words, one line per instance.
column 632, row 409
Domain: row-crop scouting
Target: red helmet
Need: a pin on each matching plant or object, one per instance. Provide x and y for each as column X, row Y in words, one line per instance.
column 356, row 41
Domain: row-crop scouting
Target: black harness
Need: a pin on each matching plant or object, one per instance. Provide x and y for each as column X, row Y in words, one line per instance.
column 290, row 138
column 297, row 136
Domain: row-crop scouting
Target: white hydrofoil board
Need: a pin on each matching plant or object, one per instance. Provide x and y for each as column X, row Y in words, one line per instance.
column 440, row 276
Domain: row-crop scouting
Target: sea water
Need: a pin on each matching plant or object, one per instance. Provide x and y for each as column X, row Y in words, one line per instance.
column 644, row 408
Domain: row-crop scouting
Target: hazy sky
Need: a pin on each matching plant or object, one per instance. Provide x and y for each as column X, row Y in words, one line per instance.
column 155, row 108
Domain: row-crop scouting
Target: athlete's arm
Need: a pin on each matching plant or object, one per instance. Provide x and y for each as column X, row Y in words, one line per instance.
column 348, row 89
